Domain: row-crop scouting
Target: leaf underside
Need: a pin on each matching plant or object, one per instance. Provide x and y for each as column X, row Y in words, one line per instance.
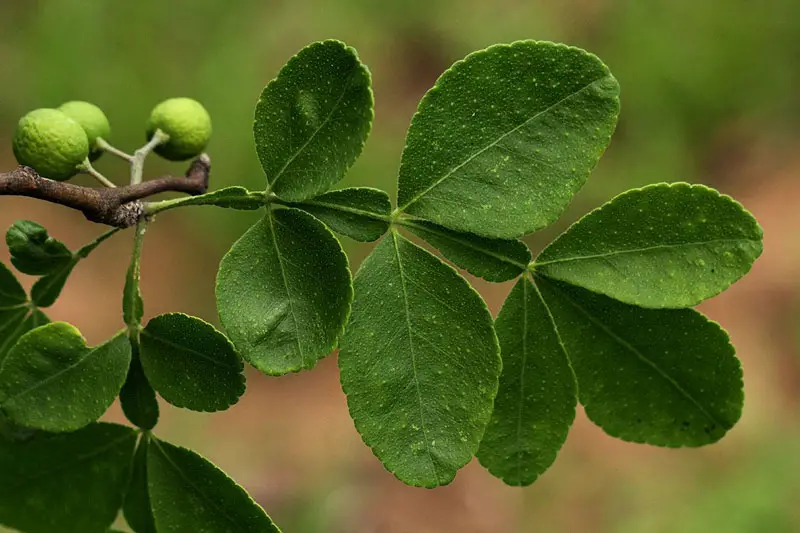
column 667, row 377
column 537, row 397
column 284, row 292
column 419, row 363
column 665, row 245
column 312, row 121
column 506, row 137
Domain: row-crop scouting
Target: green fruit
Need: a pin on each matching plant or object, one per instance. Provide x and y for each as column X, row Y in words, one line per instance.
column 93, row 121
column 51, row 143
column 186, row 122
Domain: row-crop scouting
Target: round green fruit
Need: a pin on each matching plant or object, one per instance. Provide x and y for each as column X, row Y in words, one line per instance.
column 93, row 121
column 186, row 122
column 51, row 143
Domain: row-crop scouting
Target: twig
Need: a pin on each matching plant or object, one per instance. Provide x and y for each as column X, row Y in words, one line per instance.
column 119, row 207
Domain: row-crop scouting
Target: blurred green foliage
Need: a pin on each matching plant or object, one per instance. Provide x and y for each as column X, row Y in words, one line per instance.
column 686, row 67
column 691, row 72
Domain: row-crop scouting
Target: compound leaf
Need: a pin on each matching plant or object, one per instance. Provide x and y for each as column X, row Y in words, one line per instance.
column 667, row 377
column 312, row 121
column 360, row 213
column 506, row 137
column 536, row 400
column 69, row 482
column 137, row 397
column 419, row 363
column 188, row 493
column 491, row 259
column 284, row 292
column 191, row 364
column 52, row 381
column 136, row 509
column 665, row 245
column 34, row 251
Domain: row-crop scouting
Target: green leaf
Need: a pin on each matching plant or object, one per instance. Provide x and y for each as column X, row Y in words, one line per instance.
column 137, row 397
column 136, row 509
column 11, row 292
column 506, row 137
column 312, row 121
column 69, row 483
column 10, row 431
column 536, row 401
column 47, row 289
column 360, row 213
column 665, row 245
column 188, row 493
column 34, row 251
column 191, row 364
column 16, row 315
column 14, row 323
column 491, row 259
column 234, row 197
column 284, row 292
column 51, row 380
column 419, row 363
column 667, row 377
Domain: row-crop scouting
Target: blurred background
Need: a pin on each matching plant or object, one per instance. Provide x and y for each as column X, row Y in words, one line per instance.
column 710, row 94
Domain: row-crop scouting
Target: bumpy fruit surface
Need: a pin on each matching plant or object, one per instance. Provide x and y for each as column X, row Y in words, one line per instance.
column 51, row 143
column 186, row 122
column 93, row 121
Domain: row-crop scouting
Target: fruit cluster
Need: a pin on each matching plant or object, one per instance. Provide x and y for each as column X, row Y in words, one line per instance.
column 59, row 143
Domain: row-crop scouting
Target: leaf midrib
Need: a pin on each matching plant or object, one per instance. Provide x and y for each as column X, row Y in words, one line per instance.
column 188, row 349
column 346, row 209
column 644, row 359
column 89, row 353
column 467, row 244
column 552, row 321
column 641, row 250
column 500, row 138
column 413, row 356
column 316, row 131
column 188, row 481
column 296, row 335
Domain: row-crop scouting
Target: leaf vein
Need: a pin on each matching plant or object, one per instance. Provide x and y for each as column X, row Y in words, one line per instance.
column 496, row 141
column 413, row 356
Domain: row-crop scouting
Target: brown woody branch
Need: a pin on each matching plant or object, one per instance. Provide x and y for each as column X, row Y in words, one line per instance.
column 120, row 207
